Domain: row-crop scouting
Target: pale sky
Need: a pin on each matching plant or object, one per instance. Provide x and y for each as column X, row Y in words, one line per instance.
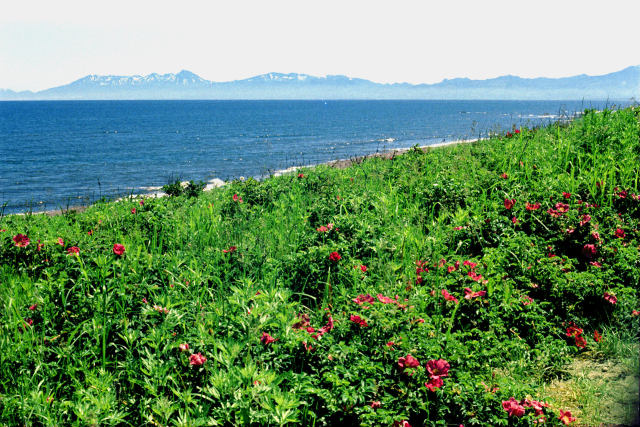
column 45, row 43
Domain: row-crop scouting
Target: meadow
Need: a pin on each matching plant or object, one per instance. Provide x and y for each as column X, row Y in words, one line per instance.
column 445, row 286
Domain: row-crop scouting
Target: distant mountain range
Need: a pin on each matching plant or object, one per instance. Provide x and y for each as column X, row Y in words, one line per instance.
column 620, row 85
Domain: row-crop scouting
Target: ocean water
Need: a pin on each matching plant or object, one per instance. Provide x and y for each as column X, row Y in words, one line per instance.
column 56, row 154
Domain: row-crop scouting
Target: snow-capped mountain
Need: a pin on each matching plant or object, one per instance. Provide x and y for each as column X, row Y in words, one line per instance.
column 620, row 85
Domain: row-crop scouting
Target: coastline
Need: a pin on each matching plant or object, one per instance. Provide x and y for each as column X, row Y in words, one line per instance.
column 216, row 182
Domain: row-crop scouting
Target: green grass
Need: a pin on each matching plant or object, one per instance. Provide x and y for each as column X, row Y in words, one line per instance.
column 103, row 344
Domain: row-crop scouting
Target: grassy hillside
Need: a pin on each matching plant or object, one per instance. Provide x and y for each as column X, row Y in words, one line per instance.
column 452, row 286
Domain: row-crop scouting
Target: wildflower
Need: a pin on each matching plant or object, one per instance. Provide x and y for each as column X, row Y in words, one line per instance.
column 532, row 207
column 610, row 298
column 565, row 417
column 448, row 297
column 514, row 220
column 302, row 323
column 358, row 321
column 90, row 232
column 363, row 268
column 161, row 309
column 596, row 236
column 573, row 330
column 619, row 233
column 562, row 207
column 60, row 241
column 468, row 293
column 118, row 249
column 581, row 342
column 596, row 264
column 73, row 250
column 385, row 300
column 402, row 423
column 517, row 131
column 635, row 312
column 334, row 256
column 39, row 246
column 589, row 250
column 527, row 300
column 322, row 229
column 237, row 198
column 266, row 338
column 475, row 276
column 21, row 240
column 585, row 219
column 458, row 228
column 133, row 211
column 364, row 298
column 438, row 368
column 597, row 336
column 231, row 250
column 622, row 194
column 566, row 195
column 408, row 361
column 29, row 321
column 144, row 301
column 33, row 307
column 300, row 175
column 376, row 404
column 183, row 347
column 197, row 359
column 434, row 383
column 470, row 264
column 508, row 203
column 512, row 407
column 141, row 202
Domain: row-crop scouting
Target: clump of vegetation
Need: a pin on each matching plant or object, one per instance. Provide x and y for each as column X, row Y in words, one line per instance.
column 191, row 189
column 447, row 286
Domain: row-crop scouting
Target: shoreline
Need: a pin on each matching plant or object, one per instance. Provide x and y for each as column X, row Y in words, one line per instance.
column 216, row 182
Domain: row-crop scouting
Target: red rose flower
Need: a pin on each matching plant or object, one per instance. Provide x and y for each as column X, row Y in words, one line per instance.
column 197, row 359
column 434, row 383
column 468, row 293
column 334, row 256
column 358, row 321
column 565, row 417
column 447, row 296
column 513, row 408
column 438, row 368
column 21, row 240
column 118, row 249
column 597, row 336
column 266, row 338
column 508, row 203
column 408, row 361
column 610, row 298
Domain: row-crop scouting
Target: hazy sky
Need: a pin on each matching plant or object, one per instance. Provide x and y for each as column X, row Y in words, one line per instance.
column 45, row 43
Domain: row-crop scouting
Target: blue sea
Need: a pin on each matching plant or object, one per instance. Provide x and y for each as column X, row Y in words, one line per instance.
column 55, row 154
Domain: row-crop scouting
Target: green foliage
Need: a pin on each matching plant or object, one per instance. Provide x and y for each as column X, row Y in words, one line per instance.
column 94, row 337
